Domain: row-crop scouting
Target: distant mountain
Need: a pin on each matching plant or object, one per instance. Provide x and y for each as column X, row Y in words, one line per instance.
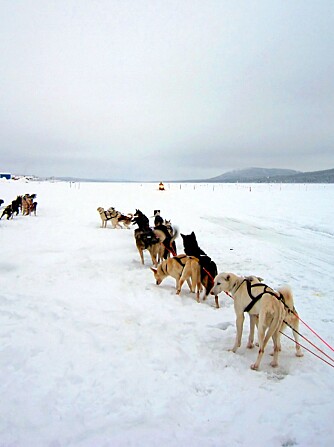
column 251, row 174
column 326, row 176
column 263, row 175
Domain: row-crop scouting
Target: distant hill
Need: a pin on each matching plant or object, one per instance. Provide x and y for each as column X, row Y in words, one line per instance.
column 263, row 175
column 326, row 176
column 251, row 174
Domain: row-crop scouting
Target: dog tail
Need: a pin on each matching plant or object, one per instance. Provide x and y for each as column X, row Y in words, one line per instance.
column 287, row 294
column 291, row 317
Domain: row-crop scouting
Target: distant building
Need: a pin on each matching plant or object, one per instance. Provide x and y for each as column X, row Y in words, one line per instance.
column 5, row 175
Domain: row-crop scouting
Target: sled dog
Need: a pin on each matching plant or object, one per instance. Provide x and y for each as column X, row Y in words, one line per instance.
column 182, row 268
column 208, row 266
column 154, row 240
column 110, row 214
column 125, row 220
column 273, row 310
column 8, row 211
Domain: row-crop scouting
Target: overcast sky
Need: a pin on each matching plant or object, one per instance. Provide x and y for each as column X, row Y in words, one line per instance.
column 164, row 89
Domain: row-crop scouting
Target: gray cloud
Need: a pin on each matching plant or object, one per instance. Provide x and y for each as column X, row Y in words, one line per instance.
column 180, row 89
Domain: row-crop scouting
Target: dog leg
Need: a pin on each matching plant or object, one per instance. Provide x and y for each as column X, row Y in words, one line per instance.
column 153, row 258
column 239, row 324
column 199, row 287
column 294, row 323
column 178, row 286
column 261, row 334
column 204, row 282
column 196, row 280
column 217, row 301
column 198, row 293
column 141, row 254
column 256, row 365
column 193, row 282
column 277, row 349
column 252, row 323
column 189, row 284
column 272, row 332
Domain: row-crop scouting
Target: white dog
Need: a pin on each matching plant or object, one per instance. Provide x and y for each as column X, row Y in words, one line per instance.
column 274, row 310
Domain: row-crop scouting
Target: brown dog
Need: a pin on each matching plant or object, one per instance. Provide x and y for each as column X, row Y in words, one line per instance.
column 182, row 268
column 153, row 241
column 125, row 220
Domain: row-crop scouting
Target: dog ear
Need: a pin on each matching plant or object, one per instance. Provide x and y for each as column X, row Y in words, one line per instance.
column 228, row 277
column 153, row 270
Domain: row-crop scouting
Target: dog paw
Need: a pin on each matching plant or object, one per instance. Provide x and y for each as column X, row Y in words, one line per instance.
column 299, row 354
column 254, row 366
column 274, row 364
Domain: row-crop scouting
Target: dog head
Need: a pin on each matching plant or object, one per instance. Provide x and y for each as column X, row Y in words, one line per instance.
column 224, row 282
column 169, row 227
column 190, row 244
column 158, row 220
column 158, row 275
column 137, row 213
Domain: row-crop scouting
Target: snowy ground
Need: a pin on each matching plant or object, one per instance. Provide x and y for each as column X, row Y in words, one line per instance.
column 93, row 353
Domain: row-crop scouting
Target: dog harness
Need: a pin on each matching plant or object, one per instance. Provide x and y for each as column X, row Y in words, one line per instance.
column 106, row 215
column 256, row 298
column 110, row 213
column 149, row 238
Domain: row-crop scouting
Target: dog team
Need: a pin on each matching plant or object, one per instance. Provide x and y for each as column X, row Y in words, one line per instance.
column 25, row 204
column 269, row 310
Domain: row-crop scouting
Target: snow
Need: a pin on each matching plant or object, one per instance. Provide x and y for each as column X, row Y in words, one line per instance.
column 94, row 353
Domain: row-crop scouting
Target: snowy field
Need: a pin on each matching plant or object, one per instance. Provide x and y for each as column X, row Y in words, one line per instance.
column 94, row 354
